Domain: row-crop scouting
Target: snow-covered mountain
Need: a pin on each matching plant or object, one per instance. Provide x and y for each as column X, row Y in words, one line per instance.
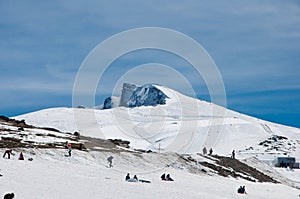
column 50, row 166
column 183, row 124
column 180, row 124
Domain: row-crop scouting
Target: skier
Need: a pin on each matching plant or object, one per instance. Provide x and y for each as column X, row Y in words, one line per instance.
column 21, row 157
column 127, row 177
column 204, row 151
column 8, row 152
column 210, row 151
column 109, row 159
column 9, row 196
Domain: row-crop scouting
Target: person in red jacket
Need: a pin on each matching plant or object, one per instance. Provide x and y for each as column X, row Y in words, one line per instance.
column 21, row 156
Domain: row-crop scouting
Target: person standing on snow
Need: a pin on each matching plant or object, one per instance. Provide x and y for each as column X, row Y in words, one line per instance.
column 109, row 160
column 8, row 152
column 69, row 151
column 210, row 151
column 204, row 151
column 233, row 154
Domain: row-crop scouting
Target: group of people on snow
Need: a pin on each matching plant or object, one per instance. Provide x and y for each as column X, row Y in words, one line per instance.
column 9, row 152
column 242, row 190
column 134, row 179
column 204, row 150
column 165, row 177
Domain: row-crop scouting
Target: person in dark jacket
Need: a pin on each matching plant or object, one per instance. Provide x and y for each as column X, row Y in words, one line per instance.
column 127, row 177
column 9, row 196
column 135, row 177
column 204, row 151
column 210, row 151
column 244, row 190
column 240, row 190
column 163, row 177
column 168, row 178
column 233, row 154
column 109, row 160
column 8, row 152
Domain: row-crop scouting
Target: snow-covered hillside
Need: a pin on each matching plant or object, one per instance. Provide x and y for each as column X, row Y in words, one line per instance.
column 84, row 175
column 183, row 125
column 51, row 173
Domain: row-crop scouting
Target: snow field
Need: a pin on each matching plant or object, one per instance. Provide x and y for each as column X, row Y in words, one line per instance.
column 85, row 175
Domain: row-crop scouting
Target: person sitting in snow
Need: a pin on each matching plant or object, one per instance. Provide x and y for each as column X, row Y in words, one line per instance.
column 163, row 177
column 127, row 177
column 21, row 157
column 135, row 177
column 8, row 152
column 9, row 196
column 168, row 178
column 242, row 190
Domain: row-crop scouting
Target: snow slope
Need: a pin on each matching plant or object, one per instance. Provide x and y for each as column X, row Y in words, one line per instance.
column 182, row 125
column 84, row 175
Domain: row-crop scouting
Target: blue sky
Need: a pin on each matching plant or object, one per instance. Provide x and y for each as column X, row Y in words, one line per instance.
column 255, row 44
